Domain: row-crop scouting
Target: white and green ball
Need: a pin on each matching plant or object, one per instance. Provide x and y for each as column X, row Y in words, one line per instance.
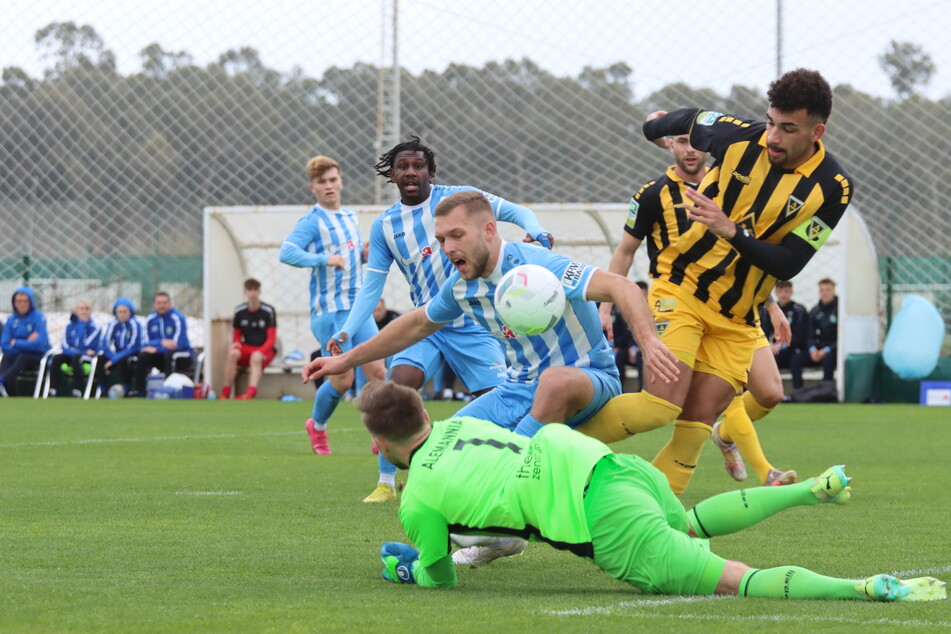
column 530, row 299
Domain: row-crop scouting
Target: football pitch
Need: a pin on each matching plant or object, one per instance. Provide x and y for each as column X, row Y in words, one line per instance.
column 202, row 516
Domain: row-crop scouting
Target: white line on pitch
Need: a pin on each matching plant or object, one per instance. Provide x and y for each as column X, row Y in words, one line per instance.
column 208, row 492
column 92, row 441
column 921, row 571
column 628, row 604
column 772, row 618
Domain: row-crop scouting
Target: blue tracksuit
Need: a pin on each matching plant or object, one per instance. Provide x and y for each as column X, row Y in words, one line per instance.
column 81, row 336
column 171, row 325
column 19, row 328
column 122, row 338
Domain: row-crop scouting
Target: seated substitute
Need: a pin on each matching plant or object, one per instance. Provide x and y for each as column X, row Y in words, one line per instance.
column 82, row 342
column 166, row 342
column 791, row 354
column 122, row 341
column 569, row 490
column 253, row 341
column 24, row 339
column 822, row 336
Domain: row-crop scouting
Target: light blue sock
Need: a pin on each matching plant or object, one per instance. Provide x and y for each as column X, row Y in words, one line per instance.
column 325, row 402
column 386, row 466
column 528, row 426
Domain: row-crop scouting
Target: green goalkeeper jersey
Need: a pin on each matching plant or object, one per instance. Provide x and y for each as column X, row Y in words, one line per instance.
column 472, row 476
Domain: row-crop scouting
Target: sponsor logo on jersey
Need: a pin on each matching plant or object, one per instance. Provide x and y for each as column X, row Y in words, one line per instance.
column 350, row 244
column 665, row 305
column 708, row 117
column 399, row 235
column 572, row 275
column 743, row 178
column 632, row 213
column 422, row 255
column 661, row 327
column 507, row 333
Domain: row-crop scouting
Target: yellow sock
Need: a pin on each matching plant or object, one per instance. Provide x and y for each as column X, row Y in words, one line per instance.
column 678, row 459
column 753, row 409
column 738, row 428
column 629, row 414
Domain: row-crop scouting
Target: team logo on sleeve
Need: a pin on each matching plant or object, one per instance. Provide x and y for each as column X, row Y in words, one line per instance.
column 632, row 213
column 708, row 117
column 814, row 231
column 572, row 275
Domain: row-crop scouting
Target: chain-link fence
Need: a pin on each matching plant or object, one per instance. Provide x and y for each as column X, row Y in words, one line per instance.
column 121, row 121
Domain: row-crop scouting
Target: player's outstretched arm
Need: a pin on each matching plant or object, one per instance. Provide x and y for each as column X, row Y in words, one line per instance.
column 621, row 261
column 633, row 306
column 399, row 334
column 523, row 217
column 784, row 260
column 366, row 300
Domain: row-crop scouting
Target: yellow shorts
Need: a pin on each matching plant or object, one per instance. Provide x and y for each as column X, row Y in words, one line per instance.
column 701, row 337
column 763, row 342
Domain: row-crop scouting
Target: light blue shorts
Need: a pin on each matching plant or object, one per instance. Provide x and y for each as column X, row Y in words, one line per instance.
column 327, row 325
column 507, row 404
column 473, row 354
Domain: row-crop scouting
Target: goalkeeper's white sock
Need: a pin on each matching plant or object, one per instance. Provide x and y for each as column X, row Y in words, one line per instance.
column 388, row 478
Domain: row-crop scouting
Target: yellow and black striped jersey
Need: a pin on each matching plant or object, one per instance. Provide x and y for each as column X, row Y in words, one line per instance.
column 657, row 214
column 794, row 208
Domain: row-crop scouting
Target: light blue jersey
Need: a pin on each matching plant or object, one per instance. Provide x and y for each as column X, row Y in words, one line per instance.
column 317, row 236
column 406, row 235
column 575, row 340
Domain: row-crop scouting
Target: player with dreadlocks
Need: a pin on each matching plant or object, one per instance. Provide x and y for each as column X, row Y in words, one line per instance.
column 405, row 234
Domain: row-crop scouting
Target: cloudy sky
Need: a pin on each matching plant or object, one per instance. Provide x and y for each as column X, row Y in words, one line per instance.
column 712, row 43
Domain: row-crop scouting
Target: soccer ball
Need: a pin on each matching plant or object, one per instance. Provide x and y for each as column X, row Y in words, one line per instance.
column 529, row 299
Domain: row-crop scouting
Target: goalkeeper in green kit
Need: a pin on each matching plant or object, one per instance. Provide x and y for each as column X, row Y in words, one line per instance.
column 472, row 477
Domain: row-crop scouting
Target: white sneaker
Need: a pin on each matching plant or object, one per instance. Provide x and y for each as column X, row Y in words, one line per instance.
column 481, row 555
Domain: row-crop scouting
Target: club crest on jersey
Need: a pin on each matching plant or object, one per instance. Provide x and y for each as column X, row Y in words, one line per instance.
column 572, row 275
column 793, row 205
column 507, row 333
column 708, row 117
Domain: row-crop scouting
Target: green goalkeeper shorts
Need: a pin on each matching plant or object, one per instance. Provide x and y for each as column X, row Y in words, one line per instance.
column 639, row 530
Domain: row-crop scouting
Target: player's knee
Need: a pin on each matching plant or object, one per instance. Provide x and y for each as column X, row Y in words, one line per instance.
column 375, row 371
column 407, row 375
column 342, row 382
column 557, row 380
column 770, row 397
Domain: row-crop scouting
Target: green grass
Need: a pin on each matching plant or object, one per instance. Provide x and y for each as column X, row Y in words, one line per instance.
column 204, row 516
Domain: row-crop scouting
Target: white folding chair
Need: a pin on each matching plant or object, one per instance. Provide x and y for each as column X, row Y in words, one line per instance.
column 92, row 379
column 199, row 367
column 43, row 374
